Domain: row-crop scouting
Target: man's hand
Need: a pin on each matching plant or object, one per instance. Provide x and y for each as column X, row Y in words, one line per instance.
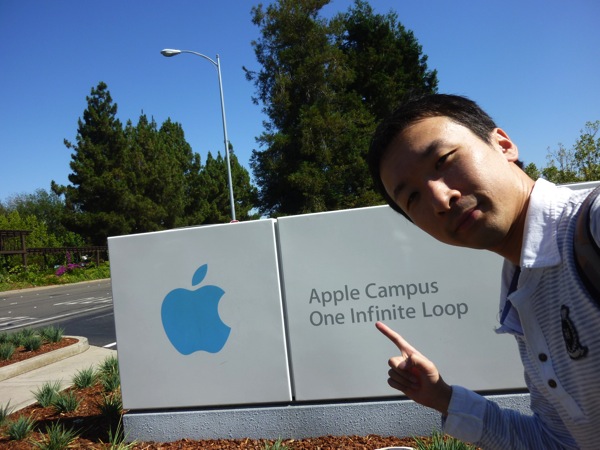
column 415, row 375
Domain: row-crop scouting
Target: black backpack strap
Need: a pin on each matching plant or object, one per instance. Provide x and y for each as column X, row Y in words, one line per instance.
column 587, row 252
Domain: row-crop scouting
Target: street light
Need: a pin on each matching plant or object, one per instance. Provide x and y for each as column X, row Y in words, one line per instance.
column 168, row 52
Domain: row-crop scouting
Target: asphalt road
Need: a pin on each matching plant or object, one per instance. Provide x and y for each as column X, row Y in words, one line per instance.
column 82, row 309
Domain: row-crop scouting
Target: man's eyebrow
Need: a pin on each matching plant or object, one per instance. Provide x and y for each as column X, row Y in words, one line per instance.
column 431, row 148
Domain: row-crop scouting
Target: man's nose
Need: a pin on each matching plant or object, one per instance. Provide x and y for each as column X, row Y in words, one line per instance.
column 442, row 196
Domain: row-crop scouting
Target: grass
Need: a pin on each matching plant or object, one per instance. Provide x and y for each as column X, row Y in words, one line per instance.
column 7, row 349
column 58, row 437
column 52, row 334
column 84, row 378
column 65, row 402
column 5, row 411
column 34, row 276
column 439, row 441
column 29, row 338
column 20, row 428
column 46, row 394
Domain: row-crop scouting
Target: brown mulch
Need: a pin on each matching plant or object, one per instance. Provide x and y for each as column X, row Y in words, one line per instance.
column 94, row 427
column 21, row 354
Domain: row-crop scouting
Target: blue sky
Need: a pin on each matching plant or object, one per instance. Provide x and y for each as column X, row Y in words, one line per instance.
column 533, row 65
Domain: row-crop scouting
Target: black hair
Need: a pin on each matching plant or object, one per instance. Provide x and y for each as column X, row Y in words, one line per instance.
column 457, row 108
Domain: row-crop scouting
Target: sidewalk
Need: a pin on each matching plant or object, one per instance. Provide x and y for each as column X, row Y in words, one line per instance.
column 18, row 381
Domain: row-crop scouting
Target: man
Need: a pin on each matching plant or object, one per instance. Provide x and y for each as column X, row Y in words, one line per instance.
column 441, row 161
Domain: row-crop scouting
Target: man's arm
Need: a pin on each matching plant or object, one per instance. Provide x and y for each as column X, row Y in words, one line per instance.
column 467, row 415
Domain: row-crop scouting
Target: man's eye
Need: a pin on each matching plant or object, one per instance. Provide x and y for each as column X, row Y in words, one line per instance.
column 440, row 162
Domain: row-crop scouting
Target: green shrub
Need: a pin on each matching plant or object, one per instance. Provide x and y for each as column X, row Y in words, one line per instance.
column 4, row 337
column 277, row 445
column 57, row 437
column 5, row 411
column 52, row 334
column 84, row 378
column 111, row 405
column 6, row 351
column 46, row 394
column 439, row 441
column 109, row 365
column 20, row 428
column 22, row 336
column 32, row 343
column 66, row 402
column 108, row 374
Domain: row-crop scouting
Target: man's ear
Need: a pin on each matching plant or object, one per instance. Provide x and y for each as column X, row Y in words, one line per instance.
column 505, row 144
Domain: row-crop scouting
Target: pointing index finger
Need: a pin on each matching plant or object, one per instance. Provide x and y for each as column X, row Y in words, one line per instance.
column 400, row 342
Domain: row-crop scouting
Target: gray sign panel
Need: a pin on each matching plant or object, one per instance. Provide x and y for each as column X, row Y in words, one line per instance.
column 199, row 317
column 342, row 271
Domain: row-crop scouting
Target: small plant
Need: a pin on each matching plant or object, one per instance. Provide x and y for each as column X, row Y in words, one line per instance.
column 441, row 442
column 4, row 337
column 52, row 334
column 66, row 402
column 6, row 350
column 84, row 378
column 20, row 337
column 5, row 411
column 111, row 405
column 110, row 364
column 108, row 373
column 277, row 445
column 57, row 437
column 47, row 393
column 110, row 381
column 116, row 439
column 32, row 343
column 20, row 428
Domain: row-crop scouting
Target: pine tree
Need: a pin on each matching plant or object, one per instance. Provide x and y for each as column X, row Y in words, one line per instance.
column 324, row 86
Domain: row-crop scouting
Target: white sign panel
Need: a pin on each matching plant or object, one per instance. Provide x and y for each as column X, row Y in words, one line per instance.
column 199, row 317
column 343, row 271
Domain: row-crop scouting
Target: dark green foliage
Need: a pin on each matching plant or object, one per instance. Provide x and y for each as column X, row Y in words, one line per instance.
column 6, row 350
column 142, row 178
column 20, row 428
column 66, row 402
column 32, row 343
column 57, row 437
column 52, row 333
column 324, row 86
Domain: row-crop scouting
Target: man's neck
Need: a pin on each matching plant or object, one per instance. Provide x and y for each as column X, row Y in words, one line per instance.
column 512, row 244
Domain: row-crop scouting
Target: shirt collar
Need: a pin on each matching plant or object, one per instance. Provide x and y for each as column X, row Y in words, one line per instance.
column 540, row 246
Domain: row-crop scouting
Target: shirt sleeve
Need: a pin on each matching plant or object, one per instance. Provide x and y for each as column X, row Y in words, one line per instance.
column 475, row 419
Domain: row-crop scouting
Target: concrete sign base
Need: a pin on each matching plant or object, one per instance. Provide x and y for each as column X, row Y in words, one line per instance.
column 402, row 418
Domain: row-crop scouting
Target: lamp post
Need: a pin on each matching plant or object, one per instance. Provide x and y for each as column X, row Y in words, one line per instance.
column 168, row 52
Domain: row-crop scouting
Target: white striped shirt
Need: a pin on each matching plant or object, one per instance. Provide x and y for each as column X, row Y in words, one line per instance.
column 557, row 328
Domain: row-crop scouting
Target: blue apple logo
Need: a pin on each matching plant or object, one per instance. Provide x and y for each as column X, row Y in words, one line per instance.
column 191, row 318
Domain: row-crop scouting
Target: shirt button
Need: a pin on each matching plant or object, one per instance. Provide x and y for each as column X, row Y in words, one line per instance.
column 543, row 357
column 552, row 383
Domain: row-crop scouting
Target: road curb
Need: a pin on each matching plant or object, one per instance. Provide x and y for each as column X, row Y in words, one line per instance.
column 36, row 362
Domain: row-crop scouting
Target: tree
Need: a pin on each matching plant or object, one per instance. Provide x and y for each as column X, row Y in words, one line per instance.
column 48, row 209
column 141, row 178
column 99, row 191
column 324, row 86
column 577, row 164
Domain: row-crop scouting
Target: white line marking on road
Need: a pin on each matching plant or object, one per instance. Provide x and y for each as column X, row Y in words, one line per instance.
column 110, row 345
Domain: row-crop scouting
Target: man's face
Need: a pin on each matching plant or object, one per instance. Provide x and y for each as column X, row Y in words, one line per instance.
column 454, row 186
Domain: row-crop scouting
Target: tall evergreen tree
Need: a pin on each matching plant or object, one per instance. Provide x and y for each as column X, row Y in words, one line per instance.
column 140, row 178
column 99, row 192
column 324, row 85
